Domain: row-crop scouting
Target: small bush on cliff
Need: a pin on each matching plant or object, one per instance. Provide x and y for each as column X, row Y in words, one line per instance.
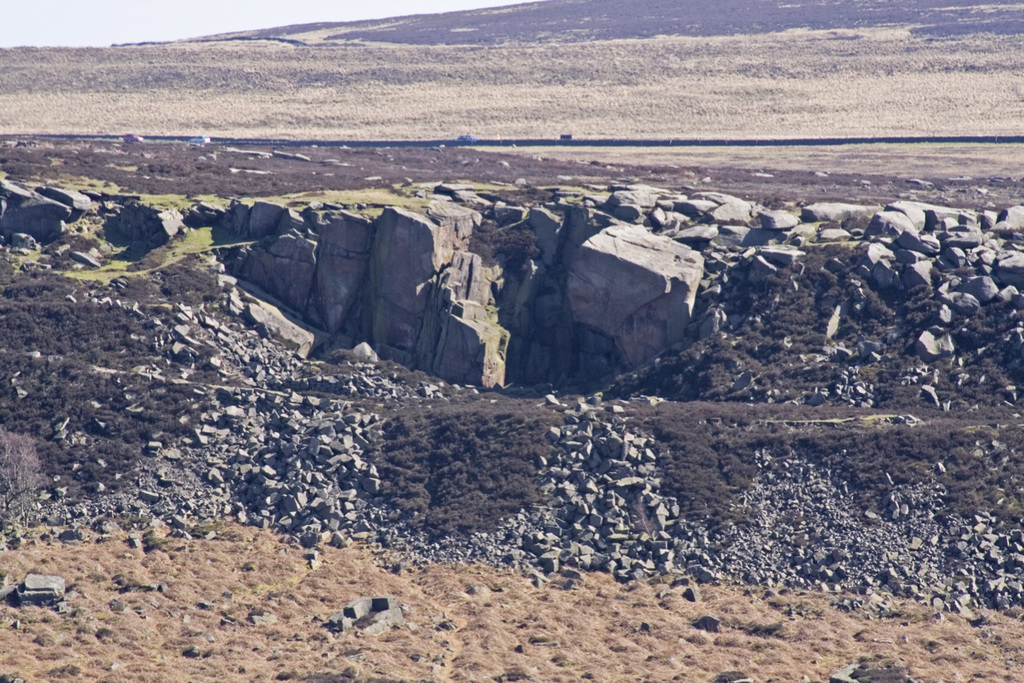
column 19, row 476
column 513, row 247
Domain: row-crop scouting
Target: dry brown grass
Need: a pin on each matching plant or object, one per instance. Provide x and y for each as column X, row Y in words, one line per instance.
column 469, row 623
column 797, row 83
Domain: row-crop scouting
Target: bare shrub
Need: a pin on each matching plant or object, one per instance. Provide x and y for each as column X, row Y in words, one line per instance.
column 19, row 476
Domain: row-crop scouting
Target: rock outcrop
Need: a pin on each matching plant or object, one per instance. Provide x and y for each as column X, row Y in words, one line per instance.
column 30, row 213
column 145, row 225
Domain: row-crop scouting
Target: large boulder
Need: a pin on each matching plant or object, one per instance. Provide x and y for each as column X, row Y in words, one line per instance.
column 726, row 208
column 930, row 348
column 732, row 212
column 271, row 322
column 76, row 201
column 636, row 288
column 30, row 213
column 778, row 220
column 912, row 210
column 1010, row 269
column 889, row 223
column 643, row 196
column 343, row 259
column 1012, row 218
column 835, row 212
column 931, row 216
column 911, row 240
column 41, row 589
column 983, row 288
column 141, row 224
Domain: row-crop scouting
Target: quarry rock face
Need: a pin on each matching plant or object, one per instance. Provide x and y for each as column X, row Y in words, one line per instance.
column 593, row 295
column 636, row 288
column 285, row 269
column 569, row 291
column 343, row 259
column 287, row 449
column 409, row 252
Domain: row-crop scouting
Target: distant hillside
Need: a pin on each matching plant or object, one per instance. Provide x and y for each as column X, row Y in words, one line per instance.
column 579, row 20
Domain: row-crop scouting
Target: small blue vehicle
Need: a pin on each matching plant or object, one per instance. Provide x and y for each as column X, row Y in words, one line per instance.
column 467, row 138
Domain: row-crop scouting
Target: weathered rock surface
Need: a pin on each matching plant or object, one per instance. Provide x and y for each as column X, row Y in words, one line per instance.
column 409, row 253
column 285, row 269
column 636, row 288
column 343, row 259
column 76, row 201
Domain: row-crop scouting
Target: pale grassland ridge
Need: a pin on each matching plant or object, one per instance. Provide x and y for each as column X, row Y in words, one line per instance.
column 796, row 83
column 891, row 160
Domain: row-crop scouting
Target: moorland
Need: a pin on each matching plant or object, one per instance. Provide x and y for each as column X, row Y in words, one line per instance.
column 825, row 458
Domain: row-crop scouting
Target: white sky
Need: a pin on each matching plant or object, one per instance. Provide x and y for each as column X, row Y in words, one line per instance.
column 104, row 22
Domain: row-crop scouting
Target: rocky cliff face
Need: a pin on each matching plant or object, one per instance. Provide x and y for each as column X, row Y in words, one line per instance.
column 594, row 294
column 482, row 291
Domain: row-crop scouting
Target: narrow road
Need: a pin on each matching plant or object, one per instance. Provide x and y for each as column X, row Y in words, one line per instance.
column 574, row 142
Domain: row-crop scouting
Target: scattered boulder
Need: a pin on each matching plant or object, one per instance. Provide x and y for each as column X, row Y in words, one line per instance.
column 365, row 353
column 930, row 348
column 865, row 672
column 272, row 323
column 708, row 624
column 983, row 288
column 85, row 259
column 733, row 677
column 372, row 616
column 41, row 590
